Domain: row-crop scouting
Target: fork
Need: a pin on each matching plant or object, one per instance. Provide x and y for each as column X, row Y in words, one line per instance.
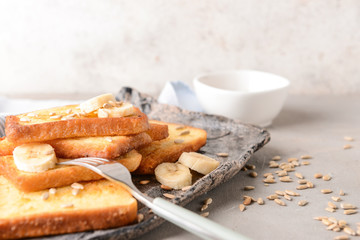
column 186, row 219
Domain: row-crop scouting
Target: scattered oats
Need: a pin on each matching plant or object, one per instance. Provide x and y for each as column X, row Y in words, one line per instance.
column 306, row 157
column 178, row 141
column 68, row 111
column 342, row 223
column 248, row 188
column 67, row 205
column 302, row 181
column 326, row 191
column 341, row 193
column 326, row 222
column 280, row 193
column 302, row 203
column 143, row 182
column 292, row 193
column 272, row 197
column 332, row 205
column 252, row 199
column 247, row 201
column 347, row 138
column 326, row 177
column 242, row 207
column 244, row 169
column 208, row 201
column 289, row 169
column 269, row 180
column 299, row 175
column 45, row 196
column 164, row 187
column 168, row 195
column 276, row 158
column 77, row 186
column 250, row 166
column 268, row 174
column 266, row 184
column 205, row 214
column 349, row 231
column 222, row 154
column 180, row 127
column 310, row 184
column 347, row 206
column 302, row 187
column 186, row 188
column 282, row 173
column 204, row 207
column 287, row 197
column 52, row 114
column 187, row 132
column 285, row 179
column 109, row 139
column 336, row 229
column 273, row 164
column 260, row 201
column 332, row 219
column 350, row 211
column 347, row 146
column 318, row 175
column 342, row 237
column 296, row 163
column 75, row 191
column 305, row 163
column 140, row 217
column 52, row 190
column 320, row 218
column 292, row 159
column 332, row 226
column 253, row 174
column 330, row 209
column 107, row 105
column 56, row 117
column 280, row 202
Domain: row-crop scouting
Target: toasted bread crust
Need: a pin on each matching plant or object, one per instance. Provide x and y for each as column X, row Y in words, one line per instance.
column 59, row 176
column 67, row 222
column 167, row 150
column 78, row 127
column 103, row 147
column 49, row 218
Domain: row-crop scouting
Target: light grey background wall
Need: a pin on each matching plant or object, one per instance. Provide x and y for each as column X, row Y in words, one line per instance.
column 70, row 47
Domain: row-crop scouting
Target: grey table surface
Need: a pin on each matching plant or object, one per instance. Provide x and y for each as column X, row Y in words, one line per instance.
column 313, row 126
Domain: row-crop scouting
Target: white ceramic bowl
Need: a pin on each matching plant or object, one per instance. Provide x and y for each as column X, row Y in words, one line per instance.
column 250, row 96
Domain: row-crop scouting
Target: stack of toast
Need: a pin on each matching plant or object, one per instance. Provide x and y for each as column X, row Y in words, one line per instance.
column 39, row 199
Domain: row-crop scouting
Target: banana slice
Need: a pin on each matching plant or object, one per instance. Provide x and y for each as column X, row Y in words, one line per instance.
column 34, row 157
column 174, row 175
column 126, row 109
column 198, row 162
column 96, row 102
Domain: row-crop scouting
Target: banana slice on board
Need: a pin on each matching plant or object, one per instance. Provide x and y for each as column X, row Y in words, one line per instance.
column 34, row 157
column 96, row 102
column 125, row 109
column 174, row 175
column 198, row 162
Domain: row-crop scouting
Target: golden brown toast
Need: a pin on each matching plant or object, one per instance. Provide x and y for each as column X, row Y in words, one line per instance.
column 100, row 205
column 181, row 139
column 69, row 122
column 108, row 147
column 60, row 175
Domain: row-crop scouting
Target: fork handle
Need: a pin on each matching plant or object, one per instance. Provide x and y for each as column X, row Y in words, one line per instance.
column 194, row 223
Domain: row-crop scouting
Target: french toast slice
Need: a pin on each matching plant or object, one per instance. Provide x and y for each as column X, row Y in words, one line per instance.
column 181, row 139
column 69, row 122
column 60, row 175
column 100, row 205
column 108, row 147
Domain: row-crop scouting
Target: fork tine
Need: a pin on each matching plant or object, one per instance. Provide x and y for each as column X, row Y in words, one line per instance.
column 91, row 161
